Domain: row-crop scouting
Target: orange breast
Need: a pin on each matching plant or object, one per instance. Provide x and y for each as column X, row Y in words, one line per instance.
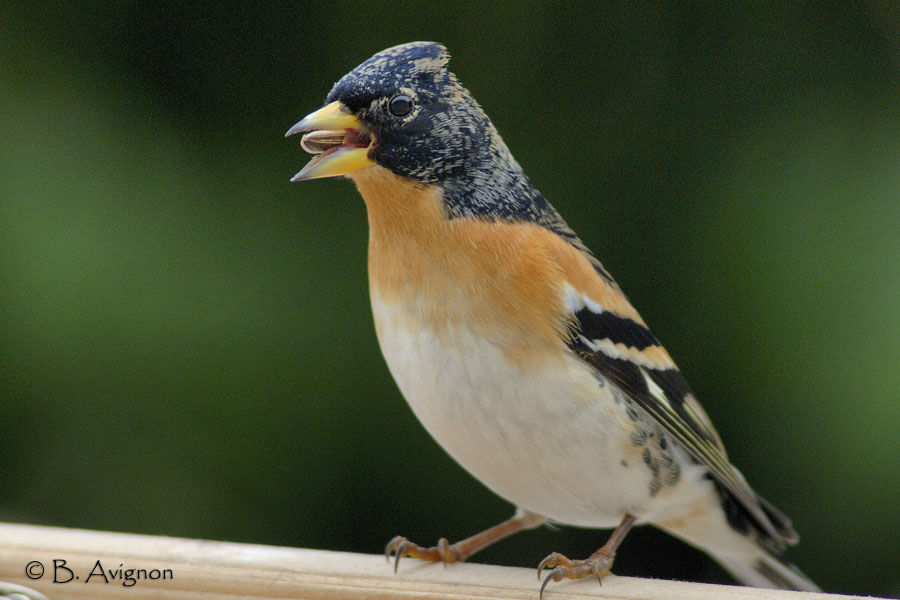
column 503, row 281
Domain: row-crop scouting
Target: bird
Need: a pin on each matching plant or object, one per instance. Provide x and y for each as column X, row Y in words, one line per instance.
column 512, row 344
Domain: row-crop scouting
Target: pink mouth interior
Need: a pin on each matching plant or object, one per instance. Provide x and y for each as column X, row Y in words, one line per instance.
column 356, row 139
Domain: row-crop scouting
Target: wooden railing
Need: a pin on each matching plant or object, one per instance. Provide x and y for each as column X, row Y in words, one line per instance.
column 101, row 565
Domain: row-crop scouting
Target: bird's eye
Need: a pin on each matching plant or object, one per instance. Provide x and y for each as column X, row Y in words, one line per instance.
column 400, row 105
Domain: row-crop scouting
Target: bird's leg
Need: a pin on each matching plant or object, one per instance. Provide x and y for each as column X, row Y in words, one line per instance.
column 598, row 564
column 460, row 551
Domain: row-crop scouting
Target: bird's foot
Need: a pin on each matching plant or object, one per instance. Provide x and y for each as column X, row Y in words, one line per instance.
column 597, row 564
column 444, row 551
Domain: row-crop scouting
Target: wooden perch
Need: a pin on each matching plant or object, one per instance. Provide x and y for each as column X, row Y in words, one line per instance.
column 95, row 565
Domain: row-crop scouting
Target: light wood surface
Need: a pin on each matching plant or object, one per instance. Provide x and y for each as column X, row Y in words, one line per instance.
column 205, row 570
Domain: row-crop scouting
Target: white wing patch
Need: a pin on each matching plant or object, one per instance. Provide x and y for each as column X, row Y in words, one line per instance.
column 653, row 356
column 622, row 352
column 657, row 392
column 575, row 301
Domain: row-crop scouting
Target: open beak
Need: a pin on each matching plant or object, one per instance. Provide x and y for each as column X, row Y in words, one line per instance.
column 336, row 139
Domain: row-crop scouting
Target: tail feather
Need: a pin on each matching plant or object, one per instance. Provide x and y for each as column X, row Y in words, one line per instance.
column 779, row 520
column 759, row 564
column 766, row 571
column 718, row 524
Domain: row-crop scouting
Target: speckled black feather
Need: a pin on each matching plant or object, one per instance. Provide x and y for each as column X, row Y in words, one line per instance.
column 769, row 528
column 446, row 140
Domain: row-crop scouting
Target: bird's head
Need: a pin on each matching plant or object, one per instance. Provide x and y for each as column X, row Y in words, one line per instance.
column 403, row 110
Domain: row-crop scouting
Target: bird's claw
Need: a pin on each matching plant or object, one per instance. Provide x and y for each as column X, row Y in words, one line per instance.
column 561, row 567
column 443, row 551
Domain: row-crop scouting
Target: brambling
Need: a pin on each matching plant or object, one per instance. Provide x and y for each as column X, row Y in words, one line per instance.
column 512, row 344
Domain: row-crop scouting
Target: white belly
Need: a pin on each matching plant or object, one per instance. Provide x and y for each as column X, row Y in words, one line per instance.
column 548, row 439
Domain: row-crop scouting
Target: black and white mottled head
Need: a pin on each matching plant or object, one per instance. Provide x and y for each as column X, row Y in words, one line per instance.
column 426, row 126
column 416, row 120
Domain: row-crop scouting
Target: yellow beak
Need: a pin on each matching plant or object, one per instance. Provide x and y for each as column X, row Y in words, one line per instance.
column 335, row 136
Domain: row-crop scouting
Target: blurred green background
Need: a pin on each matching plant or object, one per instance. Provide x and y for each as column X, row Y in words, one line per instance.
column 185, row 339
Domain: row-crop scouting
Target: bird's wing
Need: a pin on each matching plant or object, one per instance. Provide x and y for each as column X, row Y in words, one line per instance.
column 627, row 353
